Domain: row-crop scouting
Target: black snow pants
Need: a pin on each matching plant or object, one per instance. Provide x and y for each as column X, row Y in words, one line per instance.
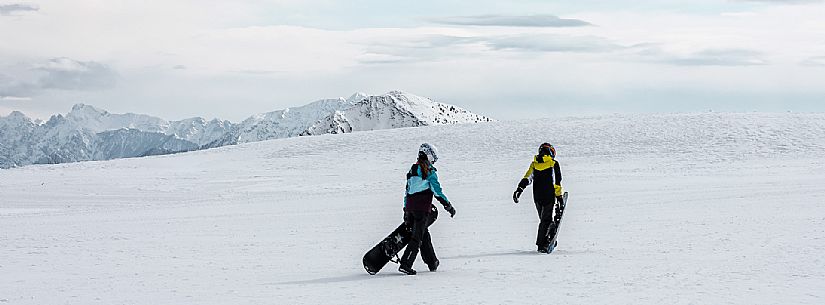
column 420, row 222
column 546, row 223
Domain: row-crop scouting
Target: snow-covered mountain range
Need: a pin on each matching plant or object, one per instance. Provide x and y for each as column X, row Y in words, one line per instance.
column 88, row 133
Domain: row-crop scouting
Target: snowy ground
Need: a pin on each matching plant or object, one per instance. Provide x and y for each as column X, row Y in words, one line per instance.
column 664, row 209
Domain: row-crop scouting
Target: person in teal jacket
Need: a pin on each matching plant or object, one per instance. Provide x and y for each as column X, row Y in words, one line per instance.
column 419, row 211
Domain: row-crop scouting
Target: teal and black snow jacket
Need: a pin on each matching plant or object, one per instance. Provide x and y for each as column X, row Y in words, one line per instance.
column 421, row 189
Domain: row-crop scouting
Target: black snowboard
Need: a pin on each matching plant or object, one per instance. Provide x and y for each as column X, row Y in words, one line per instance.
column 554, row 230
column 384, row 251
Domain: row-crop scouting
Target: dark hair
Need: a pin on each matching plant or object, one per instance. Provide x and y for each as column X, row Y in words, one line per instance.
column 424, row 164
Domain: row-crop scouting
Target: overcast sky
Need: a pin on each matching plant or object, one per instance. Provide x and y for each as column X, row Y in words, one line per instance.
column 505, row 59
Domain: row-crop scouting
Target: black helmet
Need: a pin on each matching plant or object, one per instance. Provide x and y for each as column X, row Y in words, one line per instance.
column 547, row 149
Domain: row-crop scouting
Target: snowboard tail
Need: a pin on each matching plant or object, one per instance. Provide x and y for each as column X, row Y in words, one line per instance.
column 377, row 257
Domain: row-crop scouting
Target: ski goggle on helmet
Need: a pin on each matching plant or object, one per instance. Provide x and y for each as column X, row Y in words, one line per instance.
column 429, row 151
column 547, row 149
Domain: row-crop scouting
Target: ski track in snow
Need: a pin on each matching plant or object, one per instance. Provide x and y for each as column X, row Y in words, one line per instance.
column 664, row 209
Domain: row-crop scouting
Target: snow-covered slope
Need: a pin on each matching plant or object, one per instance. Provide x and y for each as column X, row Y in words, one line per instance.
column 664, row 209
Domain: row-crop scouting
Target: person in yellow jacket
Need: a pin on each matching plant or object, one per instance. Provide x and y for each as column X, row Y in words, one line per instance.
column 545, row 175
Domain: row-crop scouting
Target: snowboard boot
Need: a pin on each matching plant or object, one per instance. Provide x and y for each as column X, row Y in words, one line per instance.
column 433, row 266
column 547, row 249
column 406, row 270
column 552, row 247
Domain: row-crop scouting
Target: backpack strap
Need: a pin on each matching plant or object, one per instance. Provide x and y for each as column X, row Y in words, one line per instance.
column 413, row 171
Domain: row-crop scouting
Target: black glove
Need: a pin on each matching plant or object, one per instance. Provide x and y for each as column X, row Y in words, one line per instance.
column 450, row 209
column 447, row 206
column 517, row 194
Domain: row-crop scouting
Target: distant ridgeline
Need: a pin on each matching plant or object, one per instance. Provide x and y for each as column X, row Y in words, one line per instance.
column 87, row 133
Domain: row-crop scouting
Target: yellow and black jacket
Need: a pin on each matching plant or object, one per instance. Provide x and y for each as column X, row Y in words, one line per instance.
column 545, row 175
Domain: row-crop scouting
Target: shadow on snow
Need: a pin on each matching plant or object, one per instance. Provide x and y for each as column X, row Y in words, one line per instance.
column 388, row 271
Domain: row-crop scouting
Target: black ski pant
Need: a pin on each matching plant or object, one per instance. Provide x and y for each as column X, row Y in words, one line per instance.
column 420, row 239
column 546, row 223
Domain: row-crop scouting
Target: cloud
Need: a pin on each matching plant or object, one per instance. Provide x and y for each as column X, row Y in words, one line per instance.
column 57, row 73
column 436, row 47
column 550, row 43
column 413, row 49
column 14, row 98
column 784, row 1
column 379, row 58
column 69, row 74
column 11, row 87
column 722, row 57
column 817, row 61
column 11, row 9
column 708, row 57
column 515, row 21
column 257, row 72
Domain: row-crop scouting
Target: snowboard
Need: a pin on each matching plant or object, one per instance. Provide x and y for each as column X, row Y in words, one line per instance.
column 377, row 257
column 554, row 230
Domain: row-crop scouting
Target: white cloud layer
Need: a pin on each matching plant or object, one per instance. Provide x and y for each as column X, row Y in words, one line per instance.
column 230, row 59
column 57, row 73
column 17, row 8
column 710, row 57
column 784, row 1
column 816, row 61
column 515, row 21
